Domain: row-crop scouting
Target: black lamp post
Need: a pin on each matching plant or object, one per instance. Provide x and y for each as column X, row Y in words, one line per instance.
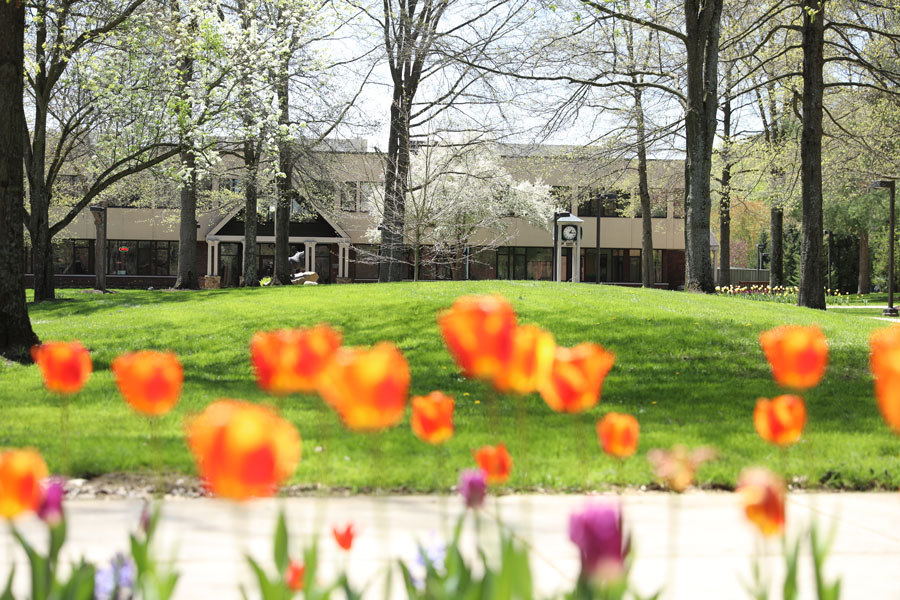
column 890, row 311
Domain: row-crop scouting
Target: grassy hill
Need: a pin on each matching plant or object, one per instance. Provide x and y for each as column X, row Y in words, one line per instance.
column 689, row 367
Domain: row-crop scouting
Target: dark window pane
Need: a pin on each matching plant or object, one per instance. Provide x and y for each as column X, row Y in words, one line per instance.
column 603, row 265
column 540, row 263
column 589, row 264
column 144, row 258
column 366, row 261
column 618, row 266
column 173, row 258
column 483, row 265
column 503, row 263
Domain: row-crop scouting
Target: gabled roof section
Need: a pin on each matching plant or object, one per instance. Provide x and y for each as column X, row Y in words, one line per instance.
column 317, row 226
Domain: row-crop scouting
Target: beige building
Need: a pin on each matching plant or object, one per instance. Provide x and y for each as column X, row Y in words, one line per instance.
column 143, row 242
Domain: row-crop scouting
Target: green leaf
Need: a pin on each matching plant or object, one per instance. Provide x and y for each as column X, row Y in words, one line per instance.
column 7, row 591
column 281, row 543
column 266, row 589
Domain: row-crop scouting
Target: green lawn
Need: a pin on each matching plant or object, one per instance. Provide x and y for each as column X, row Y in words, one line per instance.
column 689, row 368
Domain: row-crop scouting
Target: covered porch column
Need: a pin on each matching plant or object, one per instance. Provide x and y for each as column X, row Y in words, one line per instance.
column 310, row 255
column 343, row 260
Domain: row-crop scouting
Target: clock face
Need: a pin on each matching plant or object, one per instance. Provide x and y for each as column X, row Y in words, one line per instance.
column 569, row 232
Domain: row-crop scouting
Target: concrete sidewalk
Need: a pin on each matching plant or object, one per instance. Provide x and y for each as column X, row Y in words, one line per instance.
column 709, row 557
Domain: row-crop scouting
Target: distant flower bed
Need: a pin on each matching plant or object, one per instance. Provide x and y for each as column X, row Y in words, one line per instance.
column 244, row 451
column 781, row 293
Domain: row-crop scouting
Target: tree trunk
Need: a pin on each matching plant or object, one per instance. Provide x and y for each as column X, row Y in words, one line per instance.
column 812, row 292
column 249, row 268
column 395, row 181
column 702, row 44
column 284, row 186
column 776, row 253
column 864, row 282
column 16, row 334
column 725, row 194
column 42, row 252
column 644, row 192
column 187, row 228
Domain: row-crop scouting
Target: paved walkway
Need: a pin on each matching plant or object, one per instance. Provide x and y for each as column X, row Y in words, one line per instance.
column 710, row 556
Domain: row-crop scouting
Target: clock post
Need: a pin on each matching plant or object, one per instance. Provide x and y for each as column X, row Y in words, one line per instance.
column 568, row 235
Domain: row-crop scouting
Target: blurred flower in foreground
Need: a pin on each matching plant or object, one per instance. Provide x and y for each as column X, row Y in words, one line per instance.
column 243, row 450
column 763, row 495
column 576, row 379
column 65, row 366
column 798, row 355
column 344, row 538
column 677, row 467
column 530, row 362
column 618, row 434
column 21, row 474
column 149, row 381
column 478, row 331
column 495, row 462
column 50, row 510
column 885, row 365
column 295, row 576
column 780, row 420
column 473, row 487
column 432, row 417
column 116, row 580
column 367, row 387
column 292, row 360
column 597, row 532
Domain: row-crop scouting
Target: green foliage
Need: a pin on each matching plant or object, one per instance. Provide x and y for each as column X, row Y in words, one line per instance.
column 153, row 582
column 45, row 581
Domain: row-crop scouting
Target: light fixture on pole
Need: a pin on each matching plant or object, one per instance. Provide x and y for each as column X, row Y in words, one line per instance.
column 890, row 311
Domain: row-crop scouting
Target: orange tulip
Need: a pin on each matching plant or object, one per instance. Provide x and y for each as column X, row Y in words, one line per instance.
column 478, row 331
column 530, row 362
column 243, row 450
column 618, row 434
column 66, row 366
column 763, row 495
column 295, row 578
column 576, row 379
column 677, row 467
column 292, row 360
column 432, row 417
column 21, row 472
column 798, row 355
column 344, row 538
column 368, row 388
column 780, row 420
column 885, row 364
column 149, row 381
column 495, row 462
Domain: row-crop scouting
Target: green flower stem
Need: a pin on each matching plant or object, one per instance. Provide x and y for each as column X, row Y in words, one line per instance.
column 159, row 489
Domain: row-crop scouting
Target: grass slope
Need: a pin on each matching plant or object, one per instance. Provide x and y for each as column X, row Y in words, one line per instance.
column 688, row 367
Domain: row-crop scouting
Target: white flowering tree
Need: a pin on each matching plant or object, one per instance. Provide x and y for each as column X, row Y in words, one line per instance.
column 460, row 197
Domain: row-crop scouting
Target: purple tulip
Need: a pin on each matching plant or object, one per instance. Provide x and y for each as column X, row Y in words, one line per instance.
column 116, row 580
column 50, row 509
column 597, row 531
column 473, row 487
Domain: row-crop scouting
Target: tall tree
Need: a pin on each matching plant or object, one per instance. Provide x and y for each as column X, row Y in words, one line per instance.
column 16, row 334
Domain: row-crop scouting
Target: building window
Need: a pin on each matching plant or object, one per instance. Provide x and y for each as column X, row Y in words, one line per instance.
column 589, row 203
column 143, row 257
column 230, row 263
column 483, row 264
column 231, row 184
column 659, row 206
column 73, row 257
column 365, row 262
column 539, row 264
column 634, row 266
column 618, row 266
column 589, row 265
column 657, row 266
column 348, row 197
column 613, row 204
column 562, row 197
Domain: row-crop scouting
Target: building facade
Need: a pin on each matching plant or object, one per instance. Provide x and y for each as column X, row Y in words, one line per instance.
column 333, row 233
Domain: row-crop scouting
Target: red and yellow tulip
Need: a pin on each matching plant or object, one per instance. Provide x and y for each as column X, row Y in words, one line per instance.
column 367, row 387
column 65, row 366
column 479, row 332
column 432, row 417
column 576, row 378
column 763, row 496
column 292, row 360
column 780, row 420
column 618, row 434
column 21, row 473
column 798, row 355
column 149, row 381
column 243, row 450
column 495, row 462
column 530, row 362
